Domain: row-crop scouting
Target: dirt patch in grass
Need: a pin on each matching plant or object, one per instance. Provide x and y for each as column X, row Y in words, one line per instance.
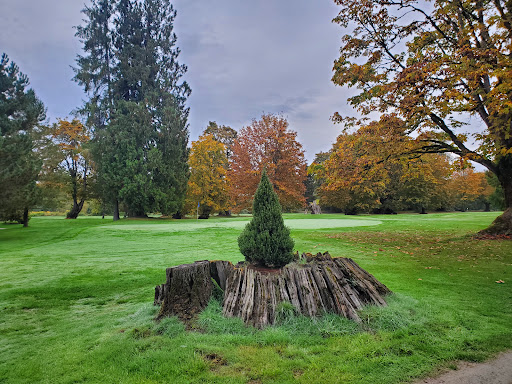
column 492, row 237
column 215, row 360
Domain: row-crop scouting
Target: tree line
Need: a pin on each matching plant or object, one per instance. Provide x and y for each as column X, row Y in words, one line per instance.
column 373, row 170
column 435, row 65
column 129, row 143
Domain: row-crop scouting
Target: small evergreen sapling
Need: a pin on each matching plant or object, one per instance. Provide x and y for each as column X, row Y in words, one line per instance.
column 265, row 240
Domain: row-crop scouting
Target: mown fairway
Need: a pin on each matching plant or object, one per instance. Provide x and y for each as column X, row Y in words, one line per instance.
column 76, row 302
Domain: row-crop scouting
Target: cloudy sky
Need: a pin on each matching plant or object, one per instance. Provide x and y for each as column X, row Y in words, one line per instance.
column 243, row 58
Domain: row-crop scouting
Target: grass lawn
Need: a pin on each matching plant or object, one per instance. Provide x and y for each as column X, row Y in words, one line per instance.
column 76, row 302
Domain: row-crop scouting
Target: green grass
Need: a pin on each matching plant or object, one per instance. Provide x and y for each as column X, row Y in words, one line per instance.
column 76, row 302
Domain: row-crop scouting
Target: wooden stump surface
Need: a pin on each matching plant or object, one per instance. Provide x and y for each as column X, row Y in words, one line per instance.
column 320, row 285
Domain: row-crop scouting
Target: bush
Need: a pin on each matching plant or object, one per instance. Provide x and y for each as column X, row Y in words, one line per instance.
column 265, row 240
column 12, row 216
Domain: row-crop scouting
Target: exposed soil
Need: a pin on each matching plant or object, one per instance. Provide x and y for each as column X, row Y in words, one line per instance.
column 480, row 236
column 215, row 360
column 495, row 371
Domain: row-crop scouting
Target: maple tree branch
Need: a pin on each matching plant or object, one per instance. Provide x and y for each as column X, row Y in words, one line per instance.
column 427, row 17
column 460, row 148
column 507, row 22
column 453, row 137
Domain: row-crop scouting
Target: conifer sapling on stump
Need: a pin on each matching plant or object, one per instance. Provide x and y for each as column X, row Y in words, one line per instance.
column 266, row 240
column 317, row 285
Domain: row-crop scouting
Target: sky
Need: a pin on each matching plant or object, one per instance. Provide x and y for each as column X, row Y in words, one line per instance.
column 244, row 59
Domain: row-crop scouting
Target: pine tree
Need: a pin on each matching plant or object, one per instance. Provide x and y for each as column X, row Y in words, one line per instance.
column 95, row 71
column 141, row 149
column 266, row 240
column 20, row 112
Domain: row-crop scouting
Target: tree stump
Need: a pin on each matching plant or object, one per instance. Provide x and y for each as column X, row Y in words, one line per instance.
column 320, row 285
column 315, row 208
column 186, row 292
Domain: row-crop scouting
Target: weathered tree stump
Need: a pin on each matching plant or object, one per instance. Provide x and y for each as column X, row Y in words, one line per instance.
column 315, row 208
column 320, row 285
column 187, row 290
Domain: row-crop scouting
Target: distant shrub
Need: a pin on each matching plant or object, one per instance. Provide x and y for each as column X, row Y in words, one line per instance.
column 47, row 213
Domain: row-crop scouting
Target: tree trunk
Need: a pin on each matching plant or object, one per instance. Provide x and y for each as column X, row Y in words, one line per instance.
column 502, row 225
column 116, row 210
column 321, row 285
column 186, row 291
column 75, row 211
column 315, row 208
column 25, row 217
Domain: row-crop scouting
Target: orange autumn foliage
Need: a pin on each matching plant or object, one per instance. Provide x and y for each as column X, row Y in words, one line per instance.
column 72, row 138
column 367, row 170
column 267, row 144
column 467, row 184
column 207, row 185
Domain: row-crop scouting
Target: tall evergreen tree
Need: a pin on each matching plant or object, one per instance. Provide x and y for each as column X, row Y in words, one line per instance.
column 141, row 151
column 20, row 112
column 95, row 68
column 95, row 72
column 266, row 240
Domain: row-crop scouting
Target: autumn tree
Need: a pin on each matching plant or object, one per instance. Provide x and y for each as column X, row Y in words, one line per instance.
column 367, row 171
column 436, row 63
column 353, row 180
column 223, row 134
column 267, row 144
column 470, row 187
column 136, row 104
column 420, row 184
column 20, row 113
column 207, row 185
column 71, row 138
column 315, row 172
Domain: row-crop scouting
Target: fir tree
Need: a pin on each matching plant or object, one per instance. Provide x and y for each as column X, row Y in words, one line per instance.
column 141, row 149
column 20, row 112
column 95, row 71
column 266, row 240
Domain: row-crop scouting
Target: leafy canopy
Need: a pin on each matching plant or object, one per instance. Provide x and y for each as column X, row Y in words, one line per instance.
column 20, row 113
column 366, row 170
column 72, row 139
column 207, row 185
column 267, row 144
column 436, row 64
